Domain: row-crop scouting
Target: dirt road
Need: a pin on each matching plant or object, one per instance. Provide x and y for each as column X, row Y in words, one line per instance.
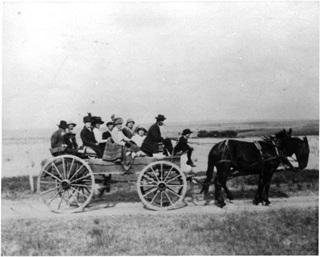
column 26, row 209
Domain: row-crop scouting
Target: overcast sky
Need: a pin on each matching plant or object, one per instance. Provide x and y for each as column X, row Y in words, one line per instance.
column 190, row 61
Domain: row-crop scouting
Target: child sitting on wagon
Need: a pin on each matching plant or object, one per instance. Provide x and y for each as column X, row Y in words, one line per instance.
column 182, row 146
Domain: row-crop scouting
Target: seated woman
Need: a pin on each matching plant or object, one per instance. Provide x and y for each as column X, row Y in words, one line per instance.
column 97, row 122
column 87, row 136
column 119, row 138
column 138, row 139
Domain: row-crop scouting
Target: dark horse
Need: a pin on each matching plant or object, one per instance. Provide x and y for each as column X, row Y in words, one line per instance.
column 234, row 158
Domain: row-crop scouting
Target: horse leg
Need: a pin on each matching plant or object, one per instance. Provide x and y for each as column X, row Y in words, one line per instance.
column 258, row 196
column 228, row 193
column 219, row 181
column 267, row 180
column 207, row 182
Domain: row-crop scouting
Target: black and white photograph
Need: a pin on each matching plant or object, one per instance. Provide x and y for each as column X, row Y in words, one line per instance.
column 134, row 128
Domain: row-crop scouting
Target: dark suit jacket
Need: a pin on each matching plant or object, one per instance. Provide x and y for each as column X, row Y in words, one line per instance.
column 182, row 145
column 57, row 139
column 152, row 140
column 106, row 135
column 87, row 137
column 70, row 139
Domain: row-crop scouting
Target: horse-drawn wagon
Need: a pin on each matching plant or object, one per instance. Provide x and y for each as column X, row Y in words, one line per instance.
column 67, row 183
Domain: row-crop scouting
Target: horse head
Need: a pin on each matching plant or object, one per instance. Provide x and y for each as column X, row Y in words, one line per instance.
column 298, row 147
column 283, row 134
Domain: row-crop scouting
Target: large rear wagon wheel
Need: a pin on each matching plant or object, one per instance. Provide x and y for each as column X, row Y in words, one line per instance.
column 66, row 184
column 162, row 185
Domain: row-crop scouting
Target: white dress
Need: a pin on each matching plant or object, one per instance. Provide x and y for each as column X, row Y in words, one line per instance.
column 118, row 136
column 138, row 139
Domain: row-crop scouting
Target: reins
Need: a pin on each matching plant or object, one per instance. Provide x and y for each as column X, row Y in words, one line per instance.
column 263, row 160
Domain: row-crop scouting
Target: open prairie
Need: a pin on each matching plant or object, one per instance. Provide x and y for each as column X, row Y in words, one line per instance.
column 23, row 151
column 117, row 223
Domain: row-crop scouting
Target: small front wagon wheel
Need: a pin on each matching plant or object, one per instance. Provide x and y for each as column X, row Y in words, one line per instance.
column 161, row 186
column 66, row 184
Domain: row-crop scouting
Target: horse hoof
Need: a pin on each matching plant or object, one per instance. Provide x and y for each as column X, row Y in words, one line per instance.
column 222, row 205
column 256, row 202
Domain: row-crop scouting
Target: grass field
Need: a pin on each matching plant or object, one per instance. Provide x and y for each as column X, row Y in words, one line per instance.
column 283, row 184
column 281, row 232
column 284, row 231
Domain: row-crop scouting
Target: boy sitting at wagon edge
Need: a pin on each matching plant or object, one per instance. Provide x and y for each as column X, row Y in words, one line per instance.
column 183, row 146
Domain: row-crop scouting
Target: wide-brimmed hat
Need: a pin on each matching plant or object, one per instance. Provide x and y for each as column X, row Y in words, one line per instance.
column 109, row 123
column 118, row 121
column 63, row 124
column 71, row 123
column 141, row 127
column 130, row 120
column 97, row 120
column 86, row 119
column 186, row 132
column 161, row 117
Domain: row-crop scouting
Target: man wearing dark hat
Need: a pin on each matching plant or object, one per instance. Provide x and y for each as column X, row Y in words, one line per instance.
column 183, row 146
column 87, row 136
column 151, row 143
column 58, row 144
column 70, row 136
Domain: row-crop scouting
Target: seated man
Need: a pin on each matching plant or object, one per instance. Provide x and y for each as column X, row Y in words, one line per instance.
column 88, row 138
column 183, row 146
column 151, row 143
column 70, row 136
column 58, row 144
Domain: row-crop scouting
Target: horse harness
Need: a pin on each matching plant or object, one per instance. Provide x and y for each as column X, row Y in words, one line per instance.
column 278, row 156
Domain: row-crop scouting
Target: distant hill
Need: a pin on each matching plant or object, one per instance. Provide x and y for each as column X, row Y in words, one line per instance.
column 172, row 129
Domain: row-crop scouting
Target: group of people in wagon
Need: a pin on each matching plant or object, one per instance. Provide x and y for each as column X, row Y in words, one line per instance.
column 118, row 143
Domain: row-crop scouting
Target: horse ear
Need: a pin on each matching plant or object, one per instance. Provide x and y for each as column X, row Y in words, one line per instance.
column 290, row 131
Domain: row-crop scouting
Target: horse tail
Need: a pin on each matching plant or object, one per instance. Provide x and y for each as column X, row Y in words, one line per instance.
column 212, row 159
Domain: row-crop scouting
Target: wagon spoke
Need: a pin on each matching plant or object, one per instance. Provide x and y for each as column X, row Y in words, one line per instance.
column 154, row 173
column 168, row 197
column 161, row 171
column 150, row 191
column 54, row 196
column 179, row 175
column 52, row 189
column 68, row 203
column 61, row 200
column 56, row 169
column 72, row 193
column 71, row 167
column 88, row 175
column 64, row 167
column 77, row 171
column 52, row 175
column 80, row 192
column 175, row 185
column 173, row 192
column 79, row 185
column 161, row 200
column 168, row 174
column 147, row 177
column 87, row 190
column 154, row 197
column 48, row 182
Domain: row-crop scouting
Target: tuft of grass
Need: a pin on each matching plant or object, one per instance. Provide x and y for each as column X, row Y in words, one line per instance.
column 275, row 232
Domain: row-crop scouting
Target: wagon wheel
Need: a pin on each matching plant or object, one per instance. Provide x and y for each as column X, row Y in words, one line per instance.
column 66, row 184
column 161, row 186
